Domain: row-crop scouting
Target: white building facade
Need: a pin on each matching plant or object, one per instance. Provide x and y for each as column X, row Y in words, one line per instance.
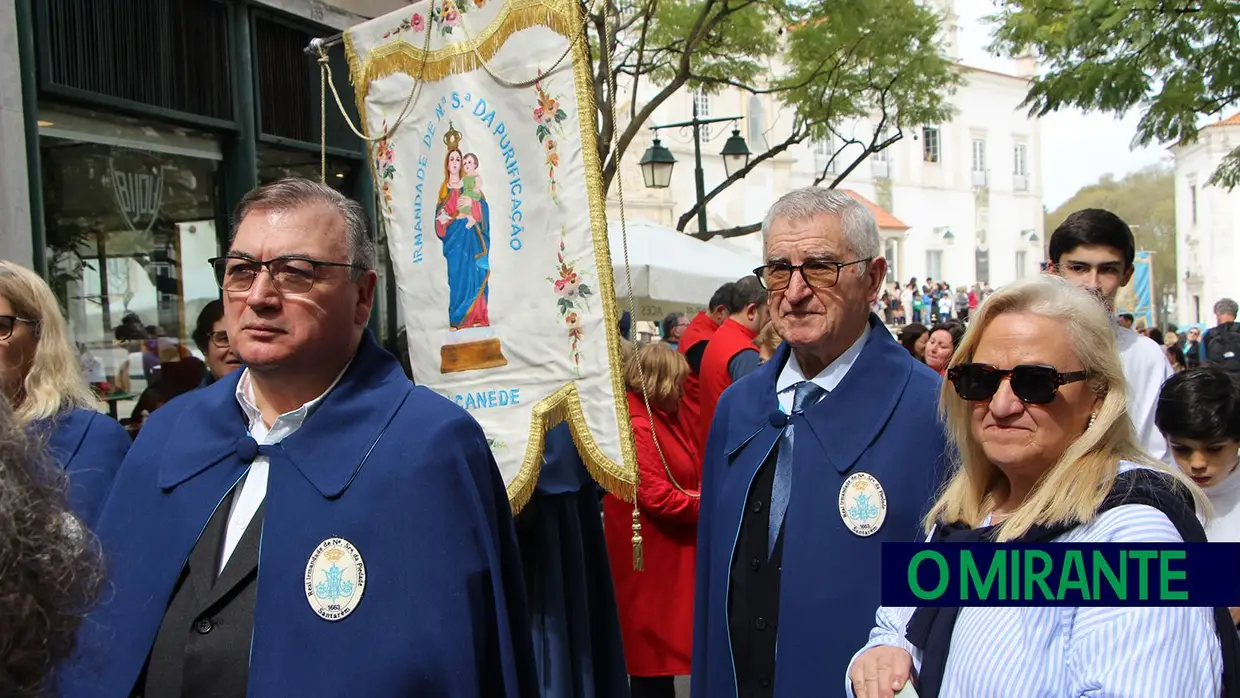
column 969, row 190
column 1207, row 221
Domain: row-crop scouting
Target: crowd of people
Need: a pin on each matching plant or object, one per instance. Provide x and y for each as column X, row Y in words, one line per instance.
column 783, row 435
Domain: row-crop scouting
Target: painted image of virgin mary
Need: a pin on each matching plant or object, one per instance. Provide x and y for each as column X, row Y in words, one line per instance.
column 463, row 223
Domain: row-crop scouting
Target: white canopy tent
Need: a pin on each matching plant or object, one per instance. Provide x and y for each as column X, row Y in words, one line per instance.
column 671, row 271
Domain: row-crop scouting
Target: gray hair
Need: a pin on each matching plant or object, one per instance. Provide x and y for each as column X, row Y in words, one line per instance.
column 1226, row 306
column 295, row 192
column 860, row 227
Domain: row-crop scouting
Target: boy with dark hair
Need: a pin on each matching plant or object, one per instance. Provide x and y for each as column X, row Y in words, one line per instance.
column 1095, row 249
column 1199, row 413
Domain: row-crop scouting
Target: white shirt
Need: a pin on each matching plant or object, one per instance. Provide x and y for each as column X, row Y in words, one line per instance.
column 827, row 379
column 1224, row 526
column 1154, row 652
column 254, row 489
column 1145, row 368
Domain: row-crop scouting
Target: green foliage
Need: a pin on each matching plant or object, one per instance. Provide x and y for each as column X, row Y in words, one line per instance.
column 1145, row 200
column 1178, row 62
column 828, row 63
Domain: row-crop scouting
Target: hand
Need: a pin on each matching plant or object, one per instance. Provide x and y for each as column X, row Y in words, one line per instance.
column 444, row 217
column 469, row 221
column 880, row 671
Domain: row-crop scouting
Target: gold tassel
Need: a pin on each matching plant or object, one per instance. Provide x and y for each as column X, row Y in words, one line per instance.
column 638, row 561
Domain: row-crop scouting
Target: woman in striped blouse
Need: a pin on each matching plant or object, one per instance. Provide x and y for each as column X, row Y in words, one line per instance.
column 1035, row 403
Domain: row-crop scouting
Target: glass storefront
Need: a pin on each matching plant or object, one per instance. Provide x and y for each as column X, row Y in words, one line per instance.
column 129, row 230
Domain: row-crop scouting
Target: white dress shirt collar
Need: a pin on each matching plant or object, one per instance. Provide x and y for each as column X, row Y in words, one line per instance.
column 288, row 422
column 827, row 379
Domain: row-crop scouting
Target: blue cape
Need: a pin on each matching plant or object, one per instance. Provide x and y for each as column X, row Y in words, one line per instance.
column 403, row 474
column 881, row 420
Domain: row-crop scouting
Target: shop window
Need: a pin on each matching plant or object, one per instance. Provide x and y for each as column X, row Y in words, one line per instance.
column 129, row 233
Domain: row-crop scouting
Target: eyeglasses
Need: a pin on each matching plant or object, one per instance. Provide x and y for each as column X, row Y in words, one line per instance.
column 219, row 339
column 289, row 274
column 1036, row 385
column 8, row 322
column 817, row 273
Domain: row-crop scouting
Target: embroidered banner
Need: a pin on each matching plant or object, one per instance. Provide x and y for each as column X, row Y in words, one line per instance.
column 492, row 201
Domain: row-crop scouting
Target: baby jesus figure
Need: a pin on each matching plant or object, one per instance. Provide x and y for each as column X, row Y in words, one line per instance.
column 471, row 183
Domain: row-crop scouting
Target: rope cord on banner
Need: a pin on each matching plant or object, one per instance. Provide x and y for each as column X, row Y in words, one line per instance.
column 519, row 84
column 326, row 82
column 628, row 274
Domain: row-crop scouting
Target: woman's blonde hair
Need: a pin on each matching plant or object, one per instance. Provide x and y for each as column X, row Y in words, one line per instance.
column 664, row 370
column 1071, row 491
column 55, row 382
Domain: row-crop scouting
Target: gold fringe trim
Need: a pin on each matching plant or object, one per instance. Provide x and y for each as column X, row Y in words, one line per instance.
column 467, row 56
column 564, row 17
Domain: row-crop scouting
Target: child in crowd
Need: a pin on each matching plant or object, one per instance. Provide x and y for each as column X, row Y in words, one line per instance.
column 1199, row 414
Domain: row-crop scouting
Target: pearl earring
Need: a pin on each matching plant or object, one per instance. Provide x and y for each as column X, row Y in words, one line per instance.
column 1093, row 417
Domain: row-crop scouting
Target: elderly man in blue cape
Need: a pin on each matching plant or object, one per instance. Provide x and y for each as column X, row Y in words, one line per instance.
column 313, row 525
column 813, row 461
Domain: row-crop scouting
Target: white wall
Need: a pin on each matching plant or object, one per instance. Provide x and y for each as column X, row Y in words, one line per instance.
column 1206, row 249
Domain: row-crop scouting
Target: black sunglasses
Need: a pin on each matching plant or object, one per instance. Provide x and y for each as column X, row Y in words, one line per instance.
column 1036, row 385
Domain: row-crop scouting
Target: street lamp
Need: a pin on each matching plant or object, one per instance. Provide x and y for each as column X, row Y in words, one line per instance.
column 657, row 166
column 657, row 162
column 735, row 153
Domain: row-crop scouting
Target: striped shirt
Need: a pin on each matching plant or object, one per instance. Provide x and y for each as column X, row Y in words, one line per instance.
column 1076, row 652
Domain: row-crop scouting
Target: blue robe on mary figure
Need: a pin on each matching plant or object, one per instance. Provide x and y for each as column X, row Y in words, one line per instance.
column 576, row 627
column 401, row 473
column 90, row 446
column 881, row 419
column 467, row 251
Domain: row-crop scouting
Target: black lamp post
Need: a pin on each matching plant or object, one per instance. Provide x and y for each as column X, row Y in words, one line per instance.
column 658, row 161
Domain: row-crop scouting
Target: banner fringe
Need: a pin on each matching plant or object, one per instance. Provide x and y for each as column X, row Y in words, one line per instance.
column 462, row 58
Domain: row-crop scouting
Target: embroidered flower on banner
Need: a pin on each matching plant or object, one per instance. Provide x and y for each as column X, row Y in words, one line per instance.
column 549, row 118
column 573, row 302
column 385, row 168
column 415, row 23
column 450, row 13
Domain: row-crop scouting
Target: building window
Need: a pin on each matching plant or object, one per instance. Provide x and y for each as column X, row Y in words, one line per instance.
column 891, row 250
column 934, row 264
column 982, row 265
column 1192, row 202
column 757, row 123
column 979, row 155
column 824, row 154
column 1020, row 165
column 701, row 101
column 930, row 148
column 1021, row 264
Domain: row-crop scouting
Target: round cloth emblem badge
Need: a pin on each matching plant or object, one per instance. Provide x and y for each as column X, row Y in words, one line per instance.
column 335, row 579
column 863, row 504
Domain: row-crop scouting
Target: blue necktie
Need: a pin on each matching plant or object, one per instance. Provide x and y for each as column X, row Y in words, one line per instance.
column 807, row 394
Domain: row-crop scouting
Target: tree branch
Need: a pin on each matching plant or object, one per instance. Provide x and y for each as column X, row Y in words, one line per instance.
column 797, row 136
column 729, row 232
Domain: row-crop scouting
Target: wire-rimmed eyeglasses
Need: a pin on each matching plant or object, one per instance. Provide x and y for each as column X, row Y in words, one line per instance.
column 289, row 274
column 816, row 273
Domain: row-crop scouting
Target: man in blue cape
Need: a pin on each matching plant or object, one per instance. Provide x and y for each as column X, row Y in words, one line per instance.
column 813, row 461
column 313, row 525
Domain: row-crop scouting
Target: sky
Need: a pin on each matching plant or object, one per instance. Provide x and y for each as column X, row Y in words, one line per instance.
column 1077, row 148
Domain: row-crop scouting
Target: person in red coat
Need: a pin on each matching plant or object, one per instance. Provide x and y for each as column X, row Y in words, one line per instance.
column 693, row 344
column 656, row 605
column 731, row 353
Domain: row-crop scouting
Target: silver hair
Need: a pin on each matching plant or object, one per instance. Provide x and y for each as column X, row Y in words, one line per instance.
column 860, row 227
column 294, row 192
column 1226, row 306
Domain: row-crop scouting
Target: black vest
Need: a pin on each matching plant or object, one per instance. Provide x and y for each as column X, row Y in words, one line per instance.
column 202, row 649
column 753, row 603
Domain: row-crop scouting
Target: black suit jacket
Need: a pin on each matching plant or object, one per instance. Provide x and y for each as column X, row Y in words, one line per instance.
column 202, row 649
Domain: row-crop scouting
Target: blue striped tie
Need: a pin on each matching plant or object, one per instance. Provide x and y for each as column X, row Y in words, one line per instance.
column 807, row 394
